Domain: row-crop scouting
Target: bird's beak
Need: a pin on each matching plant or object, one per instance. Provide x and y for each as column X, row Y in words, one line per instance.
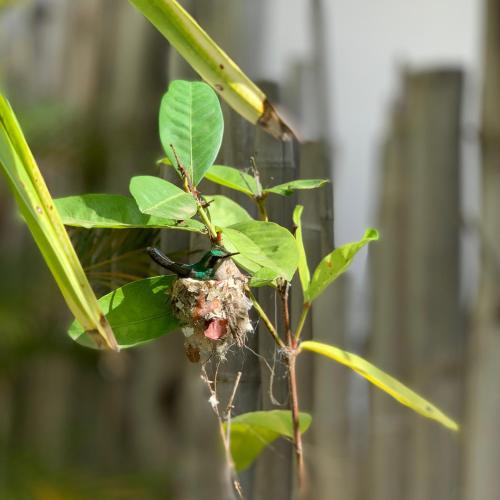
column 231, row 254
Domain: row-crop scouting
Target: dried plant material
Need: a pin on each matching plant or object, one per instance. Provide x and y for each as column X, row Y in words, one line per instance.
column 214, row 312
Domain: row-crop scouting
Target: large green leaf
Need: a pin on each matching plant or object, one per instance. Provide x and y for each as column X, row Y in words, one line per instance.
column 251, row 432
column 138, row 312
column 234, row 178
column 304, row 274
column 213, row 64
column 191, row 121
column 114, row 211
column 263, row 245
column 226, row 212
column 382, row 380
column 290, row 187
column 158, row 197
column 37, row 207
column 335, row 263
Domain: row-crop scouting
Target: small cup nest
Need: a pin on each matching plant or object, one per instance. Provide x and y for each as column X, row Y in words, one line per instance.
column 214, row 312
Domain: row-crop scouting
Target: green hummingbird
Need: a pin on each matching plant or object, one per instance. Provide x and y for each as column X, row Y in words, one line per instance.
column 204, row 269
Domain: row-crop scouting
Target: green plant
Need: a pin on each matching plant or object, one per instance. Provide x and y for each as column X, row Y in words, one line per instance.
column 191, row 128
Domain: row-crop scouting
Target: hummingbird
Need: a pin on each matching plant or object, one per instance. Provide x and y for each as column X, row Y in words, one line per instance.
column 204, row 269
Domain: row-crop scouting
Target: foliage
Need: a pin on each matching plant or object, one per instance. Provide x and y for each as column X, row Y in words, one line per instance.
column 141, row 311
column 382, row 380
column 138, row 312
column 212, row 64
column 252, row 432
column 37, row 208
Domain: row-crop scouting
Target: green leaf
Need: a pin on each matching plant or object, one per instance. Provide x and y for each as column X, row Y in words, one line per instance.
column 264, row 276
column 213, row 64
column 138, row 312
column 191, row 120
column 158, row 197
column 382, row 380
column 37, row 207
column 335, row 263
column 251, row 432
column 290, row 187
column 235, row 179
column 114, row 211
column 304, row 274
column 263, row 245
column 226, row 212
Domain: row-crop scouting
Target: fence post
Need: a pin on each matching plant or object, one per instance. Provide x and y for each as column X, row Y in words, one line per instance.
column 483, row 400
column 388, row 349
column 420, row 327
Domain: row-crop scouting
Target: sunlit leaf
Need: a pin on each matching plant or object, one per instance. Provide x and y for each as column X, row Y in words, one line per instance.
column 138, row 312
column 191, row 121
column 264, row 276
column 290, row 187
column 234, row 178
column 226, row 212
column 304, row 274
column 335, row 263
column 213, row 64
column 263, row 245
column 114, row 211
column 382, row 380
column 158, row 197
column 251, row 432
column 37, row 207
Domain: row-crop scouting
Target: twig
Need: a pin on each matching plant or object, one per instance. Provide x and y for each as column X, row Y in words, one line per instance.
column 265, row 319
column 189, row 188
column 297, row 435
column 214, row 238
column 302, row 320
column 229, row 406
column 233, row 478
column 292, row 383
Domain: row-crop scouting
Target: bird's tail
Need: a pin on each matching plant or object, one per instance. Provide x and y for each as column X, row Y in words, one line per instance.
column 162, row 260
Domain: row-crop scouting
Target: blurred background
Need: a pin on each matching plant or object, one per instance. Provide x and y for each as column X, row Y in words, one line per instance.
column 398, row 103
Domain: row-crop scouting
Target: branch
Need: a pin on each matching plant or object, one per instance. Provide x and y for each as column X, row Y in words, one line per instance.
column 292, row 382
column 265, row 318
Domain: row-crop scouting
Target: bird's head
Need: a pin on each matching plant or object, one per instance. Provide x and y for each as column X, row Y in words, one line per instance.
column 216, row 256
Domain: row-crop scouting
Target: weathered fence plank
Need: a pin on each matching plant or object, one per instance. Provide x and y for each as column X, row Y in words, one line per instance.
column 417, row 329
column 483, row 397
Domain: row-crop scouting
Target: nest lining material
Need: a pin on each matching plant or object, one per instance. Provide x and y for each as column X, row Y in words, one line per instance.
column 214, row 314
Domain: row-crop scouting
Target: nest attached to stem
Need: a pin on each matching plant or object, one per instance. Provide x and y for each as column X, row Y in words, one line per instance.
column 214, row 313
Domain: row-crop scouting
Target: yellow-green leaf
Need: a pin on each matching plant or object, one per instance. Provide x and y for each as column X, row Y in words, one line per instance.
column 234, row 178
column 304, row 274
column 213, row 64
column 335, row 263
column 289, row 188
column 382, row 380
column 37, row 207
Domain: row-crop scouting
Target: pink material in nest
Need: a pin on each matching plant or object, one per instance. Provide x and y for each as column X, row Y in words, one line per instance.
column 216, row 329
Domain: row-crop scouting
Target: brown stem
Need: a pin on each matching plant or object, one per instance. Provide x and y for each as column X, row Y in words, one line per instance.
column 292, row 383
column 297, row 435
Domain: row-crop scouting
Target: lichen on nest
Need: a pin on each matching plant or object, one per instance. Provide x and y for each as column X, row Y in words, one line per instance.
column 214, row 313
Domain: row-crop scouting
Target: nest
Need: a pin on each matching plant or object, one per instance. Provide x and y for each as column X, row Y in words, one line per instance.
column 214, row 313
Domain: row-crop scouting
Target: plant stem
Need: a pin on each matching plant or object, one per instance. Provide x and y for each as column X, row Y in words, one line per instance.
column 292, row 383
column 261, row 206
column 302, row 320
column 210, row 228
column 265, row 318
column 297, row 435
column 232, row 476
